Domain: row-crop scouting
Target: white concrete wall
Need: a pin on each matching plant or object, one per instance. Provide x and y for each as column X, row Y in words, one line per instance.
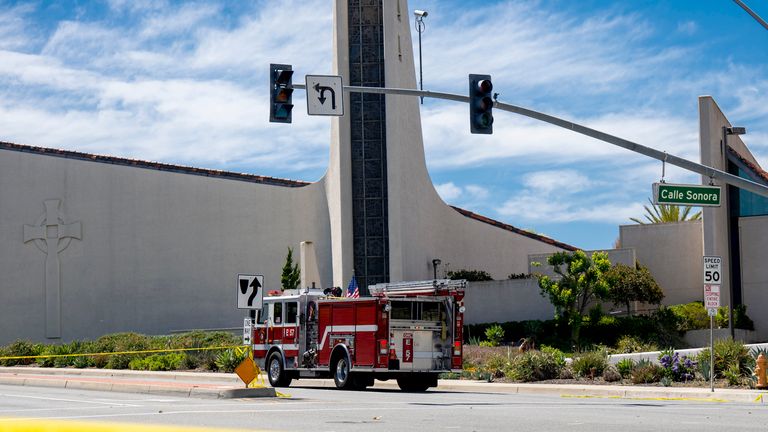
column 713, row 154
column 160, row 251
column 505, row 300
column 673, row 254
column 754, row 272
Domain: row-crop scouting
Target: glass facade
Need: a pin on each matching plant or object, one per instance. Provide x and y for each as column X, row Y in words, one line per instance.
column 751, row 204
column 368, row 139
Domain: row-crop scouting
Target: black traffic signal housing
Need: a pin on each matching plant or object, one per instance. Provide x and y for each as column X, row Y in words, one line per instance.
column 280, row 93
column 480, row 104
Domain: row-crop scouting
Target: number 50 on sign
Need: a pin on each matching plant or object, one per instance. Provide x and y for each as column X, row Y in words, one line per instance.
column 712, row 269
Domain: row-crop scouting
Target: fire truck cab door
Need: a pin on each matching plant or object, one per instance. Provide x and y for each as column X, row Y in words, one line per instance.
column 291, row 329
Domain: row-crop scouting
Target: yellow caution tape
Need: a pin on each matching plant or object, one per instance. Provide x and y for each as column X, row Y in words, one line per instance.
column 24, row 425
column 759, row 398
column 282, row 395
column 120, row 352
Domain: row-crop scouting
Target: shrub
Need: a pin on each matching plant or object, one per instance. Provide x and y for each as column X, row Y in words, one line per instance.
column 18, row 349
column 533, row 366
column 566, row 373
column 158, row 362
column 227, row 360
column 727, row 354
column 470, row 275
column 611, row 374
column 732, row 352
column 625, row 366
column 205, row 359
column 590, row 364
column 494, row 335
column 494, row 366
column 646, row 372
column 691, row 316
column 740, row 318
column 558, row 355
column 630, row 344
column 50, row 350
column 677, row 368
column 733, row 374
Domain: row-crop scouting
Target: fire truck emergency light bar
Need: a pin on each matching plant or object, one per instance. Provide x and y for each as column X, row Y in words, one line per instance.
column 417, row 287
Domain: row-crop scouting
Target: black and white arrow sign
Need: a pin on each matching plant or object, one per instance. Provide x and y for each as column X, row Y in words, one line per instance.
column 324, row 95
column 250, row 291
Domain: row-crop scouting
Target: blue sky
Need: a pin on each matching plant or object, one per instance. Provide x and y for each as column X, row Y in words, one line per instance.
column 185, row 83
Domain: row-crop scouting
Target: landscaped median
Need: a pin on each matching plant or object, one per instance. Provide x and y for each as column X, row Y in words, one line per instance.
column 197, row 350
column 734, row 367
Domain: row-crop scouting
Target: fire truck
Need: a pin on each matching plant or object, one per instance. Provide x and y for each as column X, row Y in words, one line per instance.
column 407, row 331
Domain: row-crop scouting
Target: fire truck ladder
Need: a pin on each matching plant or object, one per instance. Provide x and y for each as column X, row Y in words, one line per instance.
column 427, row 287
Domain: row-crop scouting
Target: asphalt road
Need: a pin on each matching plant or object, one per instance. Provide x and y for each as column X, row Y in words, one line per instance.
column 319, row 409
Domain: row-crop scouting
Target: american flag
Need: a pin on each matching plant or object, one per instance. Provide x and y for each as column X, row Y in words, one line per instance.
column 352, row 289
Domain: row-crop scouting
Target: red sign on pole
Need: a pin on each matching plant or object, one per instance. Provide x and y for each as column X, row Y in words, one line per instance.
column 407, row 347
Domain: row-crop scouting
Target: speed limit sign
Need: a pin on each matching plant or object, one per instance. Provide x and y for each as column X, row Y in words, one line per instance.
column 712, row 270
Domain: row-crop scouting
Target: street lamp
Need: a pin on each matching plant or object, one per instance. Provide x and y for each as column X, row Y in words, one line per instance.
column 730, row 131
column 435, row 262
column 420, row 15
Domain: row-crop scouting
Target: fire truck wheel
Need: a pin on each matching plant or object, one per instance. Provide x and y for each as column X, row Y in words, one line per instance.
column 413, row 384
column 275, row 371
column 341, row 375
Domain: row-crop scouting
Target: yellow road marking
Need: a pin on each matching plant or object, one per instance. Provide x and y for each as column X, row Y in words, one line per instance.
column 22, row 425
column 645, row 398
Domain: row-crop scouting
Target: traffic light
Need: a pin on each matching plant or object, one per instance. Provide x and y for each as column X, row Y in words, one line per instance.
column 280, row 93
column 480, row 104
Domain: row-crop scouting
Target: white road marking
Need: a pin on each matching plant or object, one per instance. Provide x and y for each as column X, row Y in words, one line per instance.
column 52, row 409
column 406, row 407
column 67, row 400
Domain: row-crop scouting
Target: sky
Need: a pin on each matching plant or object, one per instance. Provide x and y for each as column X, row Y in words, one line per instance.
column 186, row 83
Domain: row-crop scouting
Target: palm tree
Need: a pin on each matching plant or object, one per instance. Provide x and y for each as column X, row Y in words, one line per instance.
column 666, row 213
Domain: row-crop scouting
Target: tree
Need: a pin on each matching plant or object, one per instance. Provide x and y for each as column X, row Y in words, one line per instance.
column 582, row 281
column 291, row 274
column 666, row 213
column 628, row 284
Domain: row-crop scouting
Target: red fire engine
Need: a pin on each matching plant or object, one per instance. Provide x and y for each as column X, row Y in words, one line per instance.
column 408, row 331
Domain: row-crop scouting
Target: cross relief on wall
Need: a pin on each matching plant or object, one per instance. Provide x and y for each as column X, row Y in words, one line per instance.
column 51, row 234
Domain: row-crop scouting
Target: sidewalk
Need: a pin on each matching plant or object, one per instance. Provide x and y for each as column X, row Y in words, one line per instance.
column 183, row 384
column 222, row 385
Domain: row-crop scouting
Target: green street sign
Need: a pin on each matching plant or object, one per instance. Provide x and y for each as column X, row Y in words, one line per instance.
column 680, row 194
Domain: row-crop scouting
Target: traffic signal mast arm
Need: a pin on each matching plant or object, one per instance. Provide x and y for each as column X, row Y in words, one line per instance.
column 602, row 136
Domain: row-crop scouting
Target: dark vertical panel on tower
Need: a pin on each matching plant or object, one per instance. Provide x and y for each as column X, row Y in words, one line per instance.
column 368, row 138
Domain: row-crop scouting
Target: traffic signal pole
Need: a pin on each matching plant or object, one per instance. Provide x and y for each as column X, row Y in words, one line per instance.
column 704, row 170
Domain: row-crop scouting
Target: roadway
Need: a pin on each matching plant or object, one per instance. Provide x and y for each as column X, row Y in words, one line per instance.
column 325, row 409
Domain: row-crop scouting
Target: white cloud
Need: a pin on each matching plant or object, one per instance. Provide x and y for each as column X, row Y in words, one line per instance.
column 468, row 195
column 448, row 191
column 449, row 144
column 687, row 27
column 549, row 181
column 108, row 89
column 568, row 196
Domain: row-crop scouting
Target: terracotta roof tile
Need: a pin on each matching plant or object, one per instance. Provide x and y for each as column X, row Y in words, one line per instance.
column 507, row 227
column 152, row 165
column 756, row 169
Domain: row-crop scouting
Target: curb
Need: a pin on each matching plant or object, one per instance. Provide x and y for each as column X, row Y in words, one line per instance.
column 85, row 381
column 227, row 378
column 217, row 385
